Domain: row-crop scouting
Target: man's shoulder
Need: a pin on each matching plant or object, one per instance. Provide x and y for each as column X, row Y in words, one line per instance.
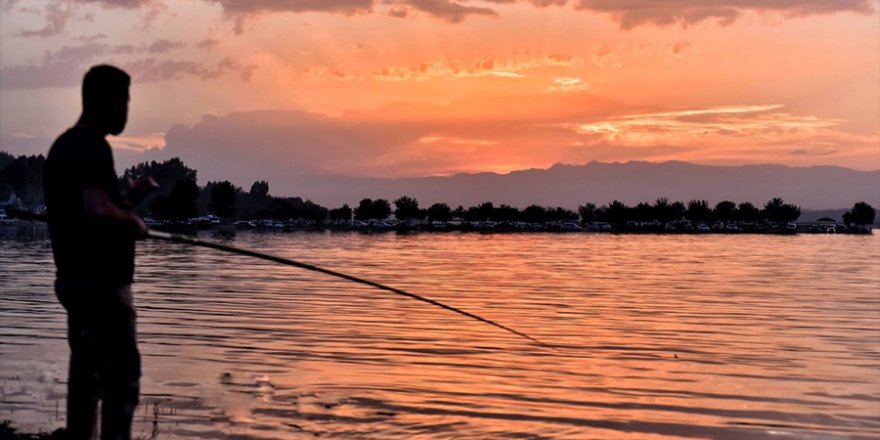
column 77, row 140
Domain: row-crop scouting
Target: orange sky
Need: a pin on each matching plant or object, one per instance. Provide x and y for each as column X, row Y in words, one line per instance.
column 431, row 87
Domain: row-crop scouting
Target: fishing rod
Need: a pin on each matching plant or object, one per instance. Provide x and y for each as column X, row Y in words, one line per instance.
column 193, row 241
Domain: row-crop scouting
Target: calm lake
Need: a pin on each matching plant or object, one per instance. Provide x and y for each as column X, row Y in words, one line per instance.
column 669, row 336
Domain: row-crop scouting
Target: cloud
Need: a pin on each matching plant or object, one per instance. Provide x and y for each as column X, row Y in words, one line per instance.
column 91, row 38
column 261, row 6
column 53, row 74
column 91, row 51
column 628, row 13
column 128, row 4
column 447, row 10
column 76, row 53
column 815, row 151
column 138, row 143
column 65, row 68
column 241, row 11
column 513, row 68
column 633, row 13
column 152, row 69
column 399, row 140
column 208, row 43
column 283, row 143
column 754, row 124
column 57, row 15
column 567, row 84
column 162, row 46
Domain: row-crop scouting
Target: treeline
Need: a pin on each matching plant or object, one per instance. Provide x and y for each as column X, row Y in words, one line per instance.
column 180, row 198
column 21, row 178
column 661, row 211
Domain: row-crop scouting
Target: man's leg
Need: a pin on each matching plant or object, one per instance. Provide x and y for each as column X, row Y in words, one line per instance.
column 120, row 367
column 82, row 381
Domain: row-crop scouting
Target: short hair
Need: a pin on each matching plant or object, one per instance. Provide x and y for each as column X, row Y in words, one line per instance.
column 103, row 85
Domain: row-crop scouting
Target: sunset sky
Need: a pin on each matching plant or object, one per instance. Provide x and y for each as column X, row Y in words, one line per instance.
column 392, row 88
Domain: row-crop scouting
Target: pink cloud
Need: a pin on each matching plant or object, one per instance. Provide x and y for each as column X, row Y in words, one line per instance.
column 161, row 46
column 446, row 10
column 57, row 15
column 632, row 13
column 151, row 69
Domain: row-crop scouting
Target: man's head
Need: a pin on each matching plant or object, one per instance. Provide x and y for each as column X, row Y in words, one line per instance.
column 105, row 98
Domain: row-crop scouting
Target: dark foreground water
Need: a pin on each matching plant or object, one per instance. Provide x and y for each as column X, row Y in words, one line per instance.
column 723, row 337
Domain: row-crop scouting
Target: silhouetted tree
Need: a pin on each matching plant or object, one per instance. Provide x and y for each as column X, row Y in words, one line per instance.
column 588, row 212
column 5, row 159
column 560, row 214
column 472, row 214
column 282, row 209
column 861, row 214
column 259, row 189
column 407, row 208
column 725, row 210
column 341, row 213
column 486, row 211
column 372, row 209
column 180, row 203
column 643, row 212
column 439, row 212
column 772, row 208
column 747, row 212
column 23, row 176
column 381, row 209
column 616, row 212
column 505, row 213
column 534, row 214
column 166, row 173
column 677, row 210
column 777, row 211
column 313, row 211
column 458, row 212
column 698, row 211
column 364, row 209
column 662, row 210
column 223, row 197
column 789, row 213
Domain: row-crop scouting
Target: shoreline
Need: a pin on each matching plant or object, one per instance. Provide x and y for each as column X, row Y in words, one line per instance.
column 796, row 228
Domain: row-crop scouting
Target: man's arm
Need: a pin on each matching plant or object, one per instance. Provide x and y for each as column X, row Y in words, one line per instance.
column 97, row 205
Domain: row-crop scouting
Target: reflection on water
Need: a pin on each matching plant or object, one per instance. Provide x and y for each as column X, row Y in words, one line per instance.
column 723, row 337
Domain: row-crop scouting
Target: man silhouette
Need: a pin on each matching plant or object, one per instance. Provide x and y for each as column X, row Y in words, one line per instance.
column 93, row 231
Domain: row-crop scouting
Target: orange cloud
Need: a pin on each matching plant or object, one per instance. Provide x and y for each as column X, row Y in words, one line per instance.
column 514, row 67
column 755, row 122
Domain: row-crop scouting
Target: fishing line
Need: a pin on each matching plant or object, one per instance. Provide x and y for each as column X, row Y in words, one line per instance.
column 186, row 239
column 189, row 240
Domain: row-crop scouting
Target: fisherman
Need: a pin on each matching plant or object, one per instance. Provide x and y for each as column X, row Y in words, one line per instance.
column 93, row 232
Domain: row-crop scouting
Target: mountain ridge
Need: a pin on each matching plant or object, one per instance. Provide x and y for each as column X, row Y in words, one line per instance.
column 570, row 185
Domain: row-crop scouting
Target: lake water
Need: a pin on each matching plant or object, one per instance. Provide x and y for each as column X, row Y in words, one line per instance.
column 669, row 336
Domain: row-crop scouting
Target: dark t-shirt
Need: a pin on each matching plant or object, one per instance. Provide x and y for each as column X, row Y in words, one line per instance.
column 86, row 252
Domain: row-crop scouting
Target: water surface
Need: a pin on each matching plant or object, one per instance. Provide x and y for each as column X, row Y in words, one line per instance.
column 724, row 337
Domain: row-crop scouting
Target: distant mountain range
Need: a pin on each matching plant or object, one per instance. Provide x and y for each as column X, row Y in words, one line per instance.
column 817, row 187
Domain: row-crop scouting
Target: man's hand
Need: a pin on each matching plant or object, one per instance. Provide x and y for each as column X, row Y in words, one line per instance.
column 97, row 205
